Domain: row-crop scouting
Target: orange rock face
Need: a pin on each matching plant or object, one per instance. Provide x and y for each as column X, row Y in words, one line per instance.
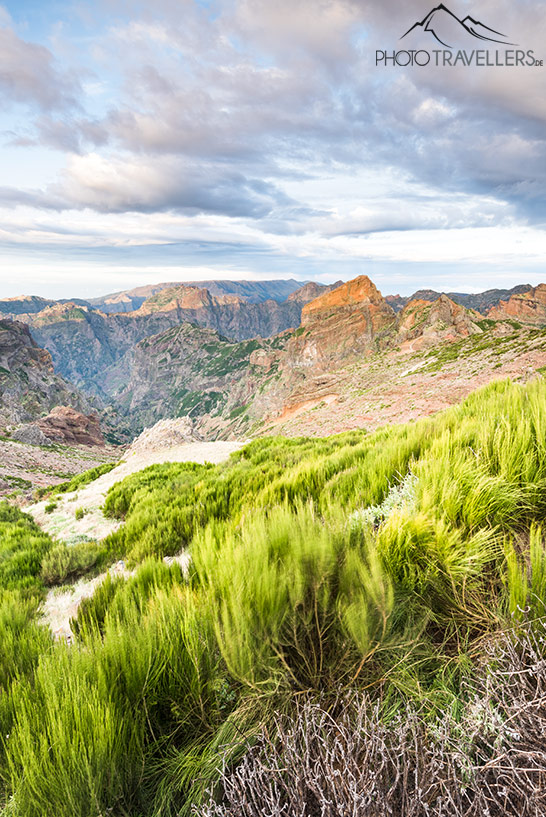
column 354, row 294
column 528, row 307
column 342, row 322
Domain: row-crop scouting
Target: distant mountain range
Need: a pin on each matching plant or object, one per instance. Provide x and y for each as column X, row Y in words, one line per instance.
column 237, row 365
column 130, row 300
column 481, row 301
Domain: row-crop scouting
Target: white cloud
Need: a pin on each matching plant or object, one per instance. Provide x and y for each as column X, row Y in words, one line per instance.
column 28, row 74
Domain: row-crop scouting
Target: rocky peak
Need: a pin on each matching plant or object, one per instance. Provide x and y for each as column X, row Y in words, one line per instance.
column 525, row 307
column 308, row 292
column 175, row 298
column 353, row 294
column 342, row 322
column 59, row 312
column 426, row 323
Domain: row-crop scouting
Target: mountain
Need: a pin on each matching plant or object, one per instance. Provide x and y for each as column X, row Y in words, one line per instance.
column 310, row 291
column 343, row 321
column 481, row 301
column 23, row 304
column 84, row 342
column 447, row 29
column 300, row 365
column 29, row 386
column 527, row 307
column 423, row 324
column 190, row 371
column 313, row 379
column 252, row 291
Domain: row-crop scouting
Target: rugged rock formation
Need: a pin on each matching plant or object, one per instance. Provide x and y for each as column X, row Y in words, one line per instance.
column 85, row 342
column 526, row 307
column 481, row 301
column 164, row 434
column 188, row 371
column 29, row 386
column 423, row 324
column 342, row 322
column 171, row 356
column 311, row 291
column 62, row 425
column 231, row 315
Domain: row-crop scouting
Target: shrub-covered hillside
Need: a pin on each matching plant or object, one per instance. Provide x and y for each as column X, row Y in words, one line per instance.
column 361, row 631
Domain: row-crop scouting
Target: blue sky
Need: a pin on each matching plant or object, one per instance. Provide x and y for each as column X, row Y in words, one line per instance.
column 177, row 139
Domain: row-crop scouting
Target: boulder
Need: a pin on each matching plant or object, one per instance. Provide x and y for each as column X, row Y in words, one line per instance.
column 62, row 425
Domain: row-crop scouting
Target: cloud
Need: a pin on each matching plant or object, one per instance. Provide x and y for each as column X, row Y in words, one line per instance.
column 273, row 119
column 135, row 184
column 28, row 74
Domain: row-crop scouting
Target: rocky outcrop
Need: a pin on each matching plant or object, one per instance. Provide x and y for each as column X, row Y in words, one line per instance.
column 342, row 322
column 311, row 291
column 164, row 434
column 480, row 301
column 29, row 386
column 425, row 324
column 62, row 425
column 525, row 307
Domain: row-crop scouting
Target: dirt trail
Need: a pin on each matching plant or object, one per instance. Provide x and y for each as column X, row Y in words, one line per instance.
column 62, row 522
column 61, row 604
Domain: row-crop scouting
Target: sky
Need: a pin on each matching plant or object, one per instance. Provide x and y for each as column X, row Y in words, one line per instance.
column 195, row 139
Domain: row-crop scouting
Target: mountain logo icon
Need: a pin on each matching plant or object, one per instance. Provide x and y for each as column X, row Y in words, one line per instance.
column 451, row 32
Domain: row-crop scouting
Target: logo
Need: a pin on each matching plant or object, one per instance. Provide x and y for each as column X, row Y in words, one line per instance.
column 461, row 40
column 443, row 25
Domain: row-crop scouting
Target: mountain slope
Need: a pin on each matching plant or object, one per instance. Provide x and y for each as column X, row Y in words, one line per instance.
column 528, row 307
column 353, row 362
column 85, row 342
column 480, row 301
column 29, row 386
column 187, row 371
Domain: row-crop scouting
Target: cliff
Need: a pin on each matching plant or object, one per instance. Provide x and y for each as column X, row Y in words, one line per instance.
column 29, row 386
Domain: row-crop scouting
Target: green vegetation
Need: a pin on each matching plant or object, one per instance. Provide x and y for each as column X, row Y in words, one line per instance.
column 79, row 481
column 228, row 357
column 236, row 412
column 65, row 563
column 205, row 401
column 385, row 564
column 22, row 547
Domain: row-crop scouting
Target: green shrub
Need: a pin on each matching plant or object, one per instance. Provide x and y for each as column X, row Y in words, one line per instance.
column 385, row 562
column 79, row 481
column 22, row 547
column 63, row 562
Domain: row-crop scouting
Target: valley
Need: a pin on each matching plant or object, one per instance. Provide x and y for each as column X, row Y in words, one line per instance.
column 241, row 360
